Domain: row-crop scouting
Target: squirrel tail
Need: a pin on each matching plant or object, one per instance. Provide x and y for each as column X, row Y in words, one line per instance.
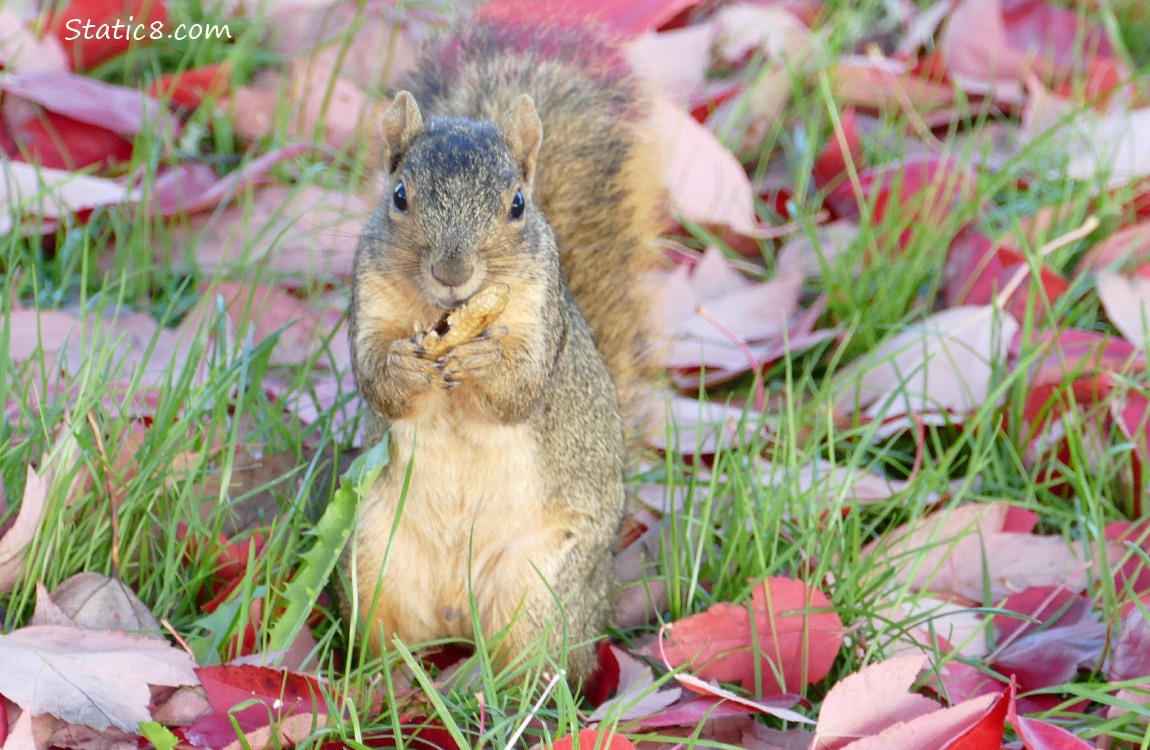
column 598, row 180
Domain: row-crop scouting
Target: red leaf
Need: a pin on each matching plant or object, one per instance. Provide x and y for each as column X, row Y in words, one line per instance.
column 59, row 142
column 606, row 678
column 923, row 190
column 831, row 164
column 629, row 19
column 986, row 734
column 1076, row 353
column 86, row 28
column 1047, row 605
column 1038, row 735
column 797, row 648
column 978, row 269
column 278, row 694
column 189, row 88
column 1067, row 38
column 594, row 739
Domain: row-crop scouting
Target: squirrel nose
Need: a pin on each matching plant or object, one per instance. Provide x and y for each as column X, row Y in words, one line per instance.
column 452, row 271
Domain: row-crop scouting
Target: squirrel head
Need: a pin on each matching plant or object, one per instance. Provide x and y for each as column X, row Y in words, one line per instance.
column 458, row 212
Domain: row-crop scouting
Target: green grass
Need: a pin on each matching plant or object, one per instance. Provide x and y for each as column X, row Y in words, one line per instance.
column 734, row 527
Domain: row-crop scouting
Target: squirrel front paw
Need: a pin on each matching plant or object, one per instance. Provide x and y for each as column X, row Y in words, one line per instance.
column 476, row 359
column 409, row 369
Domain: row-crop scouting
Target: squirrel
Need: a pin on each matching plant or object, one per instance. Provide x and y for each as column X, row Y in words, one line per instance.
column 516, row 159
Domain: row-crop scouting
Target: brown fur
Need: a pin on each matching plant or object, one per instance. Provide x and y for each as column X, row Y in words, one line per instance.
column 511, row 446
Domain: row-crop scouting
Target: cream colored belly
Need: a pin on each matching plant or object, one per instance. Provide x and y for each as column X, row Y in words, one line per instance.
column 472, row 520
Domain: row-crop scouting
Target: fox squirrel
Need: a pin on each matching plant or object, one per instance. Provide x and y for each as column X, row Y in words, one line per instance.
column 520, row 181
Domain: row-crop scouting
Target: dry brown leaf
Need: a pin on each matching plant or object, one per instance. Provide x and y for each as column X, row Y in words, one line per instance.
column 93, row 600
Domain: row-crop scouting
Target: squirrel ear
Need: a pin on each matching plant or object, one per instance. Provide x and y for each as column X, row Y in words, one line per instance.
column 402, row 123
column 524, row 133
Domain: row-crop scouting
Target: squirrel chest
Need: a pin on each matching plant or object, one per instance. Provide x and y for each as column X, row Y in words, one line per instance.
column 472, row 521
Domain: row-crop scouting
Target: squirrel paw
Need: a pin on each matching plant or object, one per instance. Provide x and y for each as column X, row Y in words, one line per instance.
column 475, row 359
column 407, row 365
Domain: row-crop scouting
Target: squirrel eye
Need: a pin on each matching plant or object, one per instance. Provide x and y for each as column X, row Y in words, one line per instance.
column 399, row 197
column 517, row 206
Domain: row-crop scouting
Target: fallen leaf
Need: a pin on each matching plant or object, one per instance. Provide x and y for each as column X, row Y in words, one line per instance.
column 707, row 185
column 288, row 705
column 21, row 49
column 979, row 269
column 1130, row 245
column 1127, row 304
column 191, row 188
column 1107, row 149
column 189, row 88
column 304, row 231
column 122, row 110
column 636, row 695
column 942, row 366
column 54, row 141
column 93, row 600
column 593, row 739
column 19, row 535
column 964, row 551
column 785, row 652
column 53, row 193
column 673, row 62
column 870, row 700
column 1040, row 735
column 314, row 101
column 701, row 428
column 769, row 707
column 98, row 678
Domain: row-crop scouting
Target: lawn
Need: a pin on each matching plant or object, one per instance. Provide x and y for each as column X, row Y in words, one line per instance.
column 896, row 498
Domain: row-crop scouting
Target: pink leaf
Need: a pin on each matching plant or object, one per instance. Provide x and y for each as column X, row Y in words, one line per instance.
column 192, row 188
column 21, row 50
column 304, row 231
column 636, row 695
column 706, row 183
column 1127, row 304
column 119, row 109
column 53, row 193
column 943, row 365
column 99, row 678
column 15, row 538
column 869, row 701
